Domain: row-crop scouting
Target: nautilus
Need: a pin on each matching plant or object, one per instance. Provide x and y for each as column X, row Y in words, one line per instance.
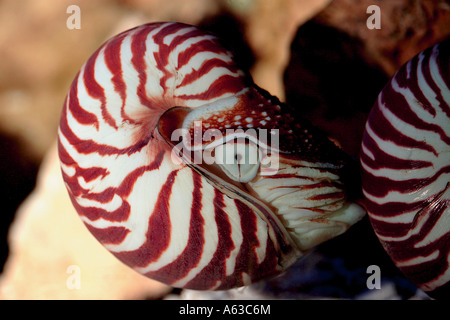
column 405, row 161
column 187, row 171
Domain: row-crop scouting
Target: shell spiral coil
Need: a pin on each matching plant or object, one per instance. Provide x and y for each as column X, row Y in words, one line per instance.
column 194, row 224
column 405, row 162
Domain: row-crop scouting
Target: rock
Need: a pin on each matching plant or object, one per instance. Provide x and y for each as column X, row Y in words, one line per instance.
column 270, row 29
column 331, row 83
column 51, row 251
column 407, row 27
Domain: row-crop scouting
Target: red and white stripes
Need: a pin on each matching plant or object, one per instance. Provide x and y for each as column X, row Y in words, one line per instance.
column 161, row 218
column 174, row 221
column 405, row 163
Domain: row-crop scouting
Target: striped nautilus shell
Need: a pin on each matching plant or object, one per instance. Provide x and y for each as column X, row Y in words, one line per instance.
column 189, row 173
column 405, row 162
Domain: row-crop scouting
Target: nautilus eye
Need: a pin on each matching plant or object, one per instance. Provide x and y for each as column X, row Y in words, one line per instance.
column 239, row 160
column 406, row 169
column 189, row 173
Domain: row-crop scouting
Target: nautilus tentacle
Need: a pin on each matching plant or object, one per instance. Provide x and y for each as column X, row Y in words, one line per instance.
column 188, row 172
column 406, row 168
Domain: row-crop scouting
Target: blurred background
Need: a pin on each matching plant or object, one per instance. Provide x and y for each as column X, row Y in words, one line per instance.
column 318, row 56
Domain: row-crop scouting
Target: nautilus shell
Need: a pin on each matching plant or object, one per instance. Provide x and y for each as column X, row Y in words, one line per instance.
column 189, row 173
column 406, row 169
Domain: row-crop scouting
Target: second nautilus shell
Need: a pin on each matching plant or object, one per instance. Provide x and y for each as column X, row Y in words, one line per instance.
column 405, row 164
column 189, row 173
